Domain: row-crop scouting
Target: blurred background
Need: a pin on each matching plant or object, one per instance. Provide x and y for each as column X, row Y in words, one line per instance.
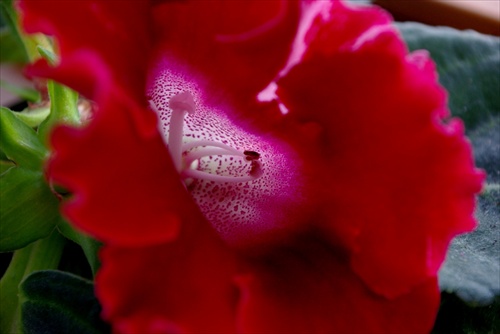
column 480, row 15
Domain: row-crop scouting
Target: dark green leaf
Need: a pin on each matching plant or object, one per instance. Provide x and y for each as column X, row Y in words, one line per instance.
column 468, row 65
column 28, row 209
column 3, row 156
column 19, row 142
column 58, row 302
column 5, row 165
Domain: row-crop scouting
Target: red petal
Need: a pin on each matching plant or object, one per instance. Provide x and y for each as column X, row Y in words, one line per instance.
column 118, row 167
column 308, row 287
column 396, row 181
column 184, row 286
column 117, row 33
column 238, row 46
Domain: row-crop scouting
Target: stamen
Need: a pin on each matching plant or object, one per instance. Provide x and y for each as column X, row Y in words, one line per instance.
column 203, row 153
column 196, row 143
column 183, row 155
column 180, row 104
column 198, row 174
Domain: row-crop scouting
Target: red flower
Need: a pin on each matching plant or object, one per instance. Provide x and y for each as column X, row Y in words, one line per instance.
column 339, row 195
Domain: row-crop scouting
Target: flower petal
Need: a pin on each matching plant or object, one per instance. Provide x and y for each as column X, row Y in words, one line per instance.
column 402, row 180
column 240, row 46
column 118, row 167
column 307, row 286
column 181, row 287
column 117, row 33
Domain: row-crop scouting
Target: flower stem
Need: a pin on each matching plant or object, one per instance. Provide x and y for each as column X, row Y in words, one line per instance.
column 42, row 254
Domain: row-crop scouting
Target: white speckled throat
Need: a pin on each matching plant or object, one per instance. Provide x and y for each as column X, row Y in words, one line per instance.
column 244, row 181
column 186, row 156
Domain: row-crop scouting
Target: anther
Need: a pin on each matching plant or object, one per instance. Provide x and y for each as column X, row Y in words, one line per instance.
column 251, row 155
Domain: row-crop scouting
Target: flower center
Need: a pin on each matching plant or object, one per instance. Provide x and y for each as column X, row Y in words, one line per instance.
column 245, row 182
column 187, row 156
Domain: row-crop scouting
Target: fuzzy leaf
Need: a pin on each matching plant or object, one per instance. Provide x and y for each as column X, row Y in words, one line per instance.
column 58, row 302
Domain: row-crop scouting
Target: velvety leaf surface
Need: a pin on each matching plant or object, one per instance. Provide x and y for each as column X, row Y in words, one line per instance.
column 57, row 302
column 469, row 67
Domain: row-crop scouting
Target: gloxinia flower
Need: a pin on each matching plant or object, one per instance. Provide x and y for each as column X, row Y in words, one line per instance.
column 257, row 166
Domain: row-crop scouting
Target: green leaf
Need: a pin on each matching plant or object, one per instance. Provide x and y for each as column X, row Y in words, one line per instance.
column 9, row 16
column 41, row 255
column 5, row 165
column 49, row 55
column 12, row 50
column 63, row 109
column 468, row 65
column 58, row 302
column 28, row 209
column 19, row 142
column 33, row 117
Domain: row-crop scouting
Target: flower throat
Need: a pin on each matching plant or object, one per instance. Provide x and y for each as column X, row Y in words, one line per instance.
column 242, row 180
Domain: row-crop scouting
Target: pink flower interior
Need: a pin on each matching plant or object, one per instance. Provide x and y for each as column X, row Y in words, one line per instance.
column 238, row 208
